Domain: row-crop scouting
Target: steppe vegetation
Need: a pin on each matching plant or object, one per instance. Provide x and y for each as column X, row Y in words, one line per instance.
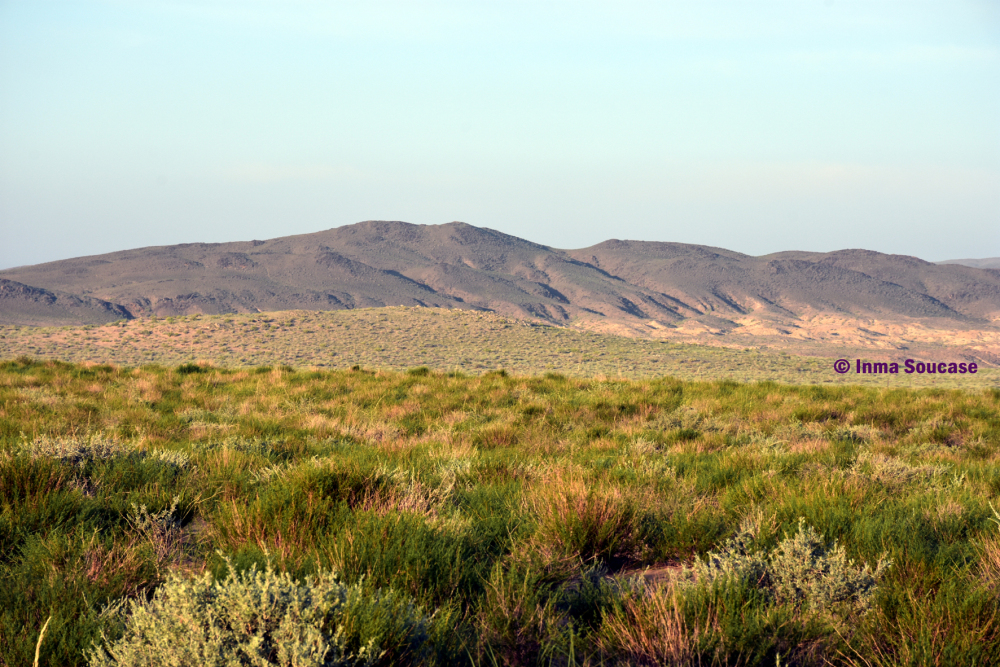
column 444, row 340
column 309, row 517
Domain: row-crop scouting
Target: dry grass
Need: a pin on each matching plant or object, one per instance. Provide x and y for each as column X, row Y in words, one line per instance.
column 652, row 629
column 582, row 522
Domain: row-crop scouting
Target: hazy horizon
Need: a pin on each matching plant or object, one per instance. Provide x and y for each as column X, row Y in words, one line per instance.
column 814, row 126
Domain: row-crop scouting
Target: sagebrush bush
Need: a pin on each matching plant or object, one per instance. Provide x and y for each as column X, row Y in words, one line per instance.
column 160, row 530
column 79, row 450
column 891, row 472
column 803, row 570
column 735, row 560
column 263, row 618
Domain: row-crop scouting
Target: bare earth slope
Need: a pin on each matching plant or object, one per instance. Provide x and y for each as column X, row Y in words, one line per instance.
column 666, row 290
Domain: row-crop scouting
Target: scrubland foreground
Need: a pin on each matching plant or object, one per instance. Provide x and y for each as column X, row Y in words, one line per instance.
column 203, row 516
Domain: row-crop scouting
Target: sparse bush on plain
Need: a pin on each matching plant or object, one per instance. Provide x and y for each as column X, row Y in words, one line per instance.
column 803, row 571
column 260, row 618
column 412, row 338
column 892, row 472
column 78, row 450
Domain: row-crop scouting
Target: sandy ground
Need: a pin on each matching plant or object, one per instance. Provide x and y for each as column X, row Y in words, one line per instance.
column 823, row 334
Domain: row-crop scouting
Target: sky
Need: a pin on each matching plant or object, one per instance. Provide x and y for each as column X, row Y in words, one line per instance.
column 754, row 126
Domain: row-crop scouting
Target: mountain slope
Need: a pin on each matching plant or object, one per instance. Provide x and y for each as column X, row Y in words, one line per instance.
column 634, row 284
column 24, row 304
column 850, row 282
column 987, row 263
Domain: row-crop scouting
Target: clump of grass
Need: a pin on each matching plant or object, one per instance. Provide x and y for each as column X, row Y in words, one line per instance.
column 655, row 628
column 989, row 552
column 584, row 522
column 518, row 617
column 263, row 617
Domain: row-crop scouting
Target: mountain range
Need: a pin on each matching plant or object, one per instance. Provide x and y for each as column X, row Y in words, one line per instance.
column 636, row 287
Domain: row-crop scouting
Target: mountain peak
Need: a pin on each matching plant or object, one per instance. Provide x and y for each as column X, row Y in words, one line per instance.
column 458, row 265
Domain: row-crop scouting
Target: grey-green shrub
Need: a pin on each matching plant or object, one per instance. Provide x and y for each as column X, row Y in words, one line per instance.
column 803, row 570
column 79, row 449
column 263, row 619
column 736, row 560
column 891, row 472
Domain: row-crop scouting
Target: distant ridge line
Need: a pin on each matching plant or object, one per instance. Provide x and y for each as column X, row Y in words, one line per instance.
column 457, row 265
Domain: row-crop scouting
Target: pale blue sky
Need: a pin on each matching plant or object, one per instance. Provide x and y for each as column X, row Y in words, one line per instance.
column 755, row 126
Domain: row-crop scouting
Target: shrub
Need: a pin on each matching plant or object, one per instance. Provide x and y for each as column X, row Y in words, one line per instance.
column 734, row 561
column 807, row 571
column 265, row 618
column 161, row 530
column 79, row 450
column 892, row 473
column 803, row 570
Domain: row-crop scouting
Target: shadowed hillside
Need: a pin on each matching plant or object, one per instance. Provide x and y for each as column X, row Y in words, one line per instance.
column 364, row 265
column 791, row 283
column 23, row 304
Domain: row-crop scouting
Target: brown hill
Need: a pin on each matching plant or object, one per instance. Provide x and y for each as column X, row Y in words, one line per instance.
column 851, row 282
column 987, row 263
column 24, row 304
column 634, row 287
column 371, row 263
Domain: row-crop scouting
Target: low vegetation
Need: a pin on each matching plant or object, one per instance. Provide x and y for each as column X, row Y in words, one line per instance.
column 270, row 516
column 444, row 340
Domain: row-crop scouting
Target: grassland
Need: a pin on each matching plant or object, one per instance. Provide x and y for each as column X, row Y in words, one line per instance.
column 444, row 340
column 505, row 519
